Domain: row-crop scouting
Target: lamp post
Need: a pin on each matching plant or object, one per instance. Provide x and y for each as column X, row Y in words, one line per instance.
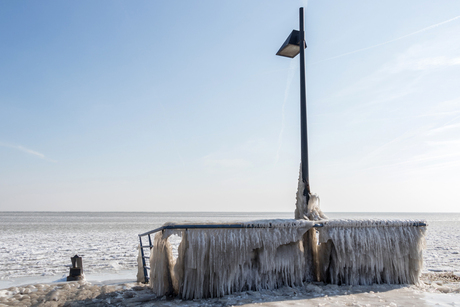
column 295, row 44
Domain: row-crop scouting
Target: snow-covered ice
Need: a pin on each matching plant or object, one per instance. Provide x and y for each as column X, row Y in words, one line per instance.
column 37, row 246
column 83, row 293
column 60, row 235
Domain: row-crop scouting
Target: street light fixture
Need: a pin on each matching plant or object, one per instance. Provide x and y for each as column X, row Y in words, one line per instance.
column 290, row 48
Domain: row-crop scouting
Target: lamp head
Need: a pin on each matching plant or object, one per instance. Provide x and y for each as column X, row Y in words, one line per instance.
column 291, row 46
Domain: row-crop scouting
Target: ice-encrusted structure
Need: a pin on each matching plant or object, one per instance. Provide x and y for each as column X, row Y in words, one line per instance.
column 216, row 262
column 307, row 206
column 363, row 252
column 270, row 253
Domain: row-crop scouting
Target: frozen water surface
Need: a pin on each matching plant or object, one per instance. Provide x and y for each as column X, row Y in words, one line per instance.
column 40, row 244
column 35, row 247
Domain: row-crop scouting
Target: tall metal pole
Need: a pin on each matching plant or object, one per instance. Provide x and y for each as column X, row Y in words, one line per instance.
column 303, row 107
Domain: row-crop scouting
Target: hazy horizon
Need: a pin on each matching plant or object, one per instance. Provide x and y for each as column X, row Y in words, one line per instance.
column 257, row 212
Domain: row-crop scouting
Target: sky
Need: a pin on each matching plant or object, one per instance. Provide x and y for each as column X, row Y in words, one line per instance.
column 184, row 106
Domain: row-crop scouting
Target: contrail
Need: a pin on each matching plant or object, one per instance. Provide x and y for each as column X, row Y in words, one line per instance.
column 291, row 71
column 390, row 41
column 304, row 3
column 26, row 150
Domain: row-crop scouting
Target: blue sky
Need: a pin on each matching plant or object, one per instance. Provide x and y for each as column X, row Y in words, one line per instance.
column 183, row 106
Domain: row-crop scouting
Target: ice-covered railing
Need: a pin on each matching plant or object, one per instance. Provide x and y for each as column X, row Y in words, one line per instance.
column 143, row 276
column 218, row 259
column 371, row 251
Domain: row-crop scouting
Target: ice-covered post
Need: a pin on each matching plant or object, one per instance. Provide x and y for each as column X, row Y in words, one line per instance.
column 295, row 44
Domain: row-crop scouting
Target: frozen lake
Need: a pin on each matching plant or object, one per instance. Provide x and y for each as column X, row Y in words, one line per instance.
column 37, row 246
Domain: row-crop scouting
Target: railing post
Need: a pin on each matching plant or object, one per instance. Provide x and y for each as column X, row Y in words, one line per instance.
column 146, row 277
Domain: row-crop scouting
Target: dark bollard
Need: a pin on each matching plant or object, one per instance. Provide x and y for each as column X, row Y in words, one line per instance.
column 76, row 271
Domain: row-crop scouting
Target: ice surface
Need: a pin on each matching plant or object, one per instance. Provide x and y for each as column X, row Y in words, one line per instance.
column 37, row 246
column 102, row 234
column 363, row 252
column 216, row 262
column 312, row 294
column 48, row 254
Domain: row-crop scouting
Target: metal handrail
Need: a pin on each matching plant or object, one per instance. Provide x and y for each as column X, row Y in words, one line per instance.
column 207, row 226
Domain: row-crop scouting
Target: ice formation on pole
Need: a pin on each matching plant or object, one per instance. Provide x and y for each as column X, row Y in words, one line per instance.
column 216, row 262
column 310, row 211
column 363, row 252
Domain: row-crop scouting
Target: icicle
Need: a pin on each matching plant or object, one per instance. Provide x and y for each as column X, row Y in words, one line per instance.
column 161, row 265
column 363, row 252
column 310, row 211
column 216, row 262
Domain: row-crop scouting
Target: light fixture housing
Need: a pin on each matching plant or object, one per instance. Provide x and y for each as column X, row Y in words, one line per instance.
column 290, row 48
